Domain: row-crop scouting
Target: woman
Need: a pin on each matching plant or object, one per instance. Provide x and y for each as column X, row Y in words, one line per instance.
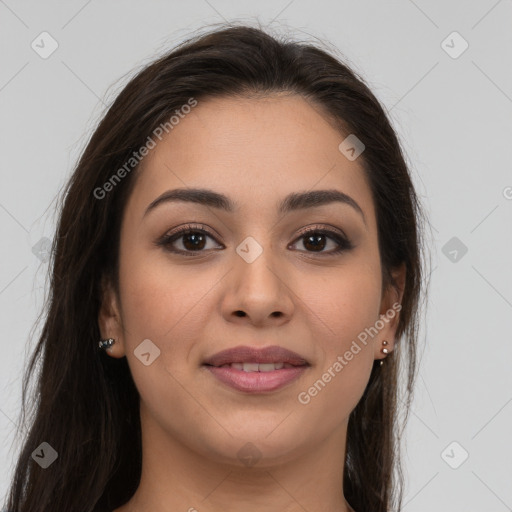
column 235, row 286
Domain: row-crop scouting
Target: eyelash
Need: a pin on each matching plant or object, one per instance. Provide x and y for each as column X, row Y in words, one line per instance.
column 167, row 240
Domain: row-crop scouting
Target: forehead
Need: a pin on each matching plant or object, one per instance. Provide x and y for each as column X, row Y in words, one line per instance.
column 255, row 151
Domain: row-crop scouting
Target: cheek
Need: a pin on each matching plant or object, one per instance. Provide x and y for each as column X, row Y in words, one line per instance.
column 168, row 305
column 161, row 299
column 339, row 312
column 346, row 302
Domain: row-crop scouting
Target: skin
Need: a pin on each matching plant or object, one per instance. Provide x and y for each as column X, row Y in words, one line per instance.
column 256, row 151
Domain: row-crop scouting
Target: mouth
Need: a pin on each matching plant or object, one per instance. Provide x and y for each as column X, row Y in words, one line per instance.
column 251, row 356
column 253, row 370
column 258, row 367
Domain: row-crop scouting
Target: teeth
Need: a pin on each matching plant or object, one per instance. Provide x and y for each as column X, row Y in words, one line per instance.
column 257, row 367
column 251, row 367
column 267, row 367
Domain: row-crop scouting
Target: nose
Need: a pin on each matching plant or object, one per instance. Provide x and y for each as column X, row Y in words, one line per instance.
column 258, row 292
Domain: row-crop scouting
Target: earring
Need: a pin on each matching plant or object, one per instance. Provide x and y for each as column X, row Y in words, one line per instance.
column 104, row 344
column 384, row 351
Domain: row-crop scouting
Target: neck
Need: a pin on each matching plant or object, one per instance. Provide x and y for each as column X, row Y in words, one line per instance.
column 308, row 479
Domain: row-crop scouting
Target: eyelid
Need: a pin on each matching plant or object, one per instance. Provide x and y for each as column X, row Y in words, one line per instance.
column 192, row 226
column 322, row 227
column 302, row 231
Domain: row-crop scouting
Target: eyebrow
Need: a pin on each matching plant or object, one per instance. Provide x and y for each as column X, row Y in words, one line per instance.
column 292, row 202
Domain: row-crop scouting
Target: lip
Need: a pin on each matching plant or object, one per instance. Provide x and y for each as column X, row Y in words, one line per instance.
column 256, row 382
column 245, row 354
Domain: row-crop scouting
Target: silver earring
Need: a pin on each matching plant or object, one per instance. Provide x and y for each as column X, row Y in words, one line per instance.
column 104, row 344
column 384, row 351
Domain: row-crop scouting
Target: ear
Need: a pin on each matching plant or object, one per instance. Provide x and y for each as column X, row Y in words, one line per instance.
column 109, row 319
column 391, row 304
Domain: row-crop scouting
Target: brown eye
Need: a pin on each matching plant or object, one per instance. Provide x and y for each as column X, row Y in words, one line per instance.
column 193, row 240
column 186, row 240
column 316, row 240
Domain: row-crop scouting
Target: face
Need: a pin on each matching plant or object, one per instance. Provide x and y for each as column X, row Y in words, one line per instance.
column 306, row 278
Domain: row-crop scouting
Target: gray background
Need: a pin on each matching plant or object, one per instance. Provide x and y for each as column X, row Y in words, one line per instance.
column 453, row 115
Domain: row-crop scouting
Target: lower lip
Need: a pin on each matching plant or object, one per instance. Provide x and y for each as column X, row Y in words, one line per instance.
column 256, row 382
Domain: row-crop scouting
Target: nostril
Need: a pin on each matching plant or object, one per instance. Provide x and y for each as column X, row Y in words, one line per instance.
column 240, row 313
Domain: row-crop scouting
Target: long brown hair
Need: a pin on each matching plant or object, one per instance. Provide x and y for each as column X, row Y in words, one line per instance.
column 85, row 405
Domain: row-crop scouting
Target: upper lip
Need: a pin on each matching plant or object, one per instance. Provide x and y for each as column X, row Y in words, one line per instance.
column 245, row 354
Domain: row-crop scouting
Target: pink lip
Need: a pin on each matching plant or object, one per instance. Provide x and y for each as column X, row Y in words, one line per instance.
column 245, row 354
column 256, row 382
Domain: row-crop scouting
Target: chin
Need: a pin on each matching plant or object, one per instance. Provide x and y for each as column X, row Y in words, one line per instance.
column 263, row 446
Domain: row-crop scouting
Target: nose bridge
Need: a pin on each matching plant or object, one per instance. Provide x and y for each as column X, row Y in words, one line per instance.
column 257, row 288
column 256, row 261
